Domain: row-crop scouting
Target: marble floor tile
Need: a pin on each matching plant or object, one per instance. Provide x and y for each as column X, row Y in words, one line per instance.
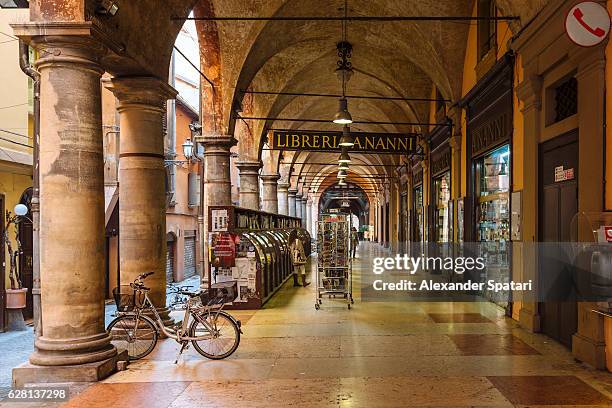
column 491, row 345
column 459, row 318
column 548, row 390
column 132, row 395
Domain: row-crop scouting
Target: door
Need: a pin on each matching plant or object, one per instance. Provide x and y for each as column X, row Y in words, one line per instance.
column 558, row 205
column 170, row 252
column 26, row 264
column 190, row 256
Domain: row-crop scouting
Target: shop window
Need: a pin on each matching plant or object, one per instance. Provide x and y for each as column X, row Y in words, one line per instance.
column 487, row 28
column 566, row 99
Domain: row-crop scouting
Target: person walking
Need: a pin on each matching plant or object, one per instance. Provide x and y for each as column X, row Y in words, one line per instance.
column 354, row 241
column 299, row 261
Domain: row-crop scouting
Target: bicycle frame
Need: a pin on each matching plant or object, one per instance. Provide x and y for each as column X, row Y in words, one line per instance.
column 179, row 334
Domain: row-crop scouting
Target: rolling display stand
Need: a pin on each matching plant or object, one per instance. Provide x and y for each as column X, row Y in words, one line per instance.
column 334, row 269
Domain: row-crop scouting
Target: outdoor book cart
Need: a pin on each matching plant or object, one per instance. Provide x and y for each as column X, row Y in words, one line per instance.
column 334, row 269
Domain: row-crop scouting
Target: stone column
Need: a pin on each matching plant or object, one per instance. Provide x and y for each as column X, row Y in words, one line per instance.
column 588, row 344
column 304, row 200
column 530, row 93
column 292, row 199
column 298, row 205
column 269, row 201
column 249, row 184
column 217, row 184
column 71, row 212
column 309, row 217
column 455, row 145
column 142, row 191
column 283, row 198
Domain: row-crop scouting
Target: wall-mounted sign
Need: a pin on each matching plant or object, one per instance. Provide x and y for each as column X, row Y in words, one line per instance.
column 391, row 143
column 607, row 233
column 587, row 24
column 441, row 162
column 491, row 132
column 562, row 174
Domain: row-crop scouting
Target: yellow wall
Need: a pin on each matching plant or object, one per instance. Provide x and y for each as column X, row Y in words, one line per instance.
column 15, row 96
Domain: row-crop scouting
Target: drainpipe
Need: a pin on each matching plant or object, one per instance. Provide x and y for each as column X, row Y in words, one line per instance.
column 172, row 126
column 29, row 70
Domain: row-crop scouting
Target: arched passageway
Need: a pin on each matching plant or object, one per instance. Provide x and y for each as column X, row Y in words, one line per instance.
column 457, row 109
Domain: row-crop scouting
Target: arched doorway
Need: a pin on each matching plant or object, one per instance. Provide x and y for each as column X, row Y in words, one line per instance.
column 26, row 260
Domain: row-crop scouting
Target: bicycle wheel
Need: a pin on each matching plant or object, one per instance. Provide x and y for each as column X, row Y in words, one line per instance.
column 223, row 335
column 137, row 337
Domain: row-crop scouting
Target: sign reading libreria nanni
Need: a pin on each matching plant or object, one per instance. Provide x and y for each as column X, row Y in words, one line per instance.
column 392, row 143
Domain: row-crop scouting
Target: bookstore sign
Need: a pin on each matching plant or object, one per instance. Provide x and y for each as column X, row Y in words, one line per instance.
column 389, row 143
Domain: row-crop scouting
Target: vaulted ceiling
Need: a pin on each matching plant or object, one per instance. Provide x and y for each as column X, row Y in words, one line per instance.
column 390, row 58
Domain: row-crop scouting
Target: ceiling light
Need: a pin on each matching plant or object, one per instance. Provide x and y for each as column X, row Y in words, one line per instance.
column 346, row 140
column 342, row 174
column 343, row 116
column 341, row 182
column 344, row 157
column 343, row 166
column 345, row 204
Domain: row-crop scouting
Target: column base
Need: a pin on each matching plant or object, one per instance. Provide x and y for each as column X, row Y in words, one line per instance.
column 28, row 373
column 84, row 350
column 589, row 351
column 529, row 321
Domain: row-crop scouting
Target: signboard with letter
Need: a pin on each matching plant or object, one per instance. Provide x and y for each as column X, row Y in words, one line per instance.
column 390, row 143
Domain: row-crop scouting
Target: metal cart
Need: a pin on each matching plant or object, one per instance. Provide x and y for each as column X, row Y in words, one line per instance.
column 334, row 269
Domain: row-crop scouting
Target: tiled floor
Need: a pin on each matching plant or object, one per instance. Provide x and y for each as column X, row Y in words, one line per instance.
column 379, row 354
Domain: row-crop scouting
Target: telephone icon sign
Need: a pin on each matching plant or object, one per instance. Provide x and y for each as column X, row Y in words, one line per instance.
column 587, row 24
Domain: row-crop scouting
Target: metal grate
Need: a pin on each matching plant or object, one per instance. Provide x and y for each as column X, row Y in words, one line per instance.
column 566, row 98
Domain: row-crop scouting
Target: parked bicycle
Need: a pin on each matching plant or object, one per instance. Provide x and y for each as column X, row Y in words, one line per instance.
column 214, row 333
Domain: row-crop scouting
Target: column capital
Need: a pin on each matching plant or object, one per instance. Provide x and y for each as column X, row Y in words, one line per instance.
column 140, row 90
column 249, row 167
column 283, row 186
column 269, row 178
column 530, row 92
column 298, row 196
column 76, row 48
column 216, row 144
column 292, row 191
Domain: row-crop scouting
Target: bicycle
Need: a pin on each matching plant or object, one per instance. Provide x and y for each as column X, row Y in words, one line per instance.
column 214, row 333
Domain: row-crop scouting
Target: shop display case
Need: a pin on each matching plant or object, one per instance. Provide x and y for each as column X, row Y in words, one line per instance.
column 442, row 219
column 419, row 214
column 252, row 248
column 493, row 215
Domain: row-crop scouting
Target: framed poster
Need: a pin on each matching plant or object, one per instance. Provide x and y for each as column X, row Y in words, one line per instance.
column 219, row 220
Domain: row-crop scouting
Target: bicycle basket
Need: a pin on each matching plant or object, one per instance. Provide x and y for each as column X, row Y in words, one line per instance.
column 220, row 293
column 127, row 299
